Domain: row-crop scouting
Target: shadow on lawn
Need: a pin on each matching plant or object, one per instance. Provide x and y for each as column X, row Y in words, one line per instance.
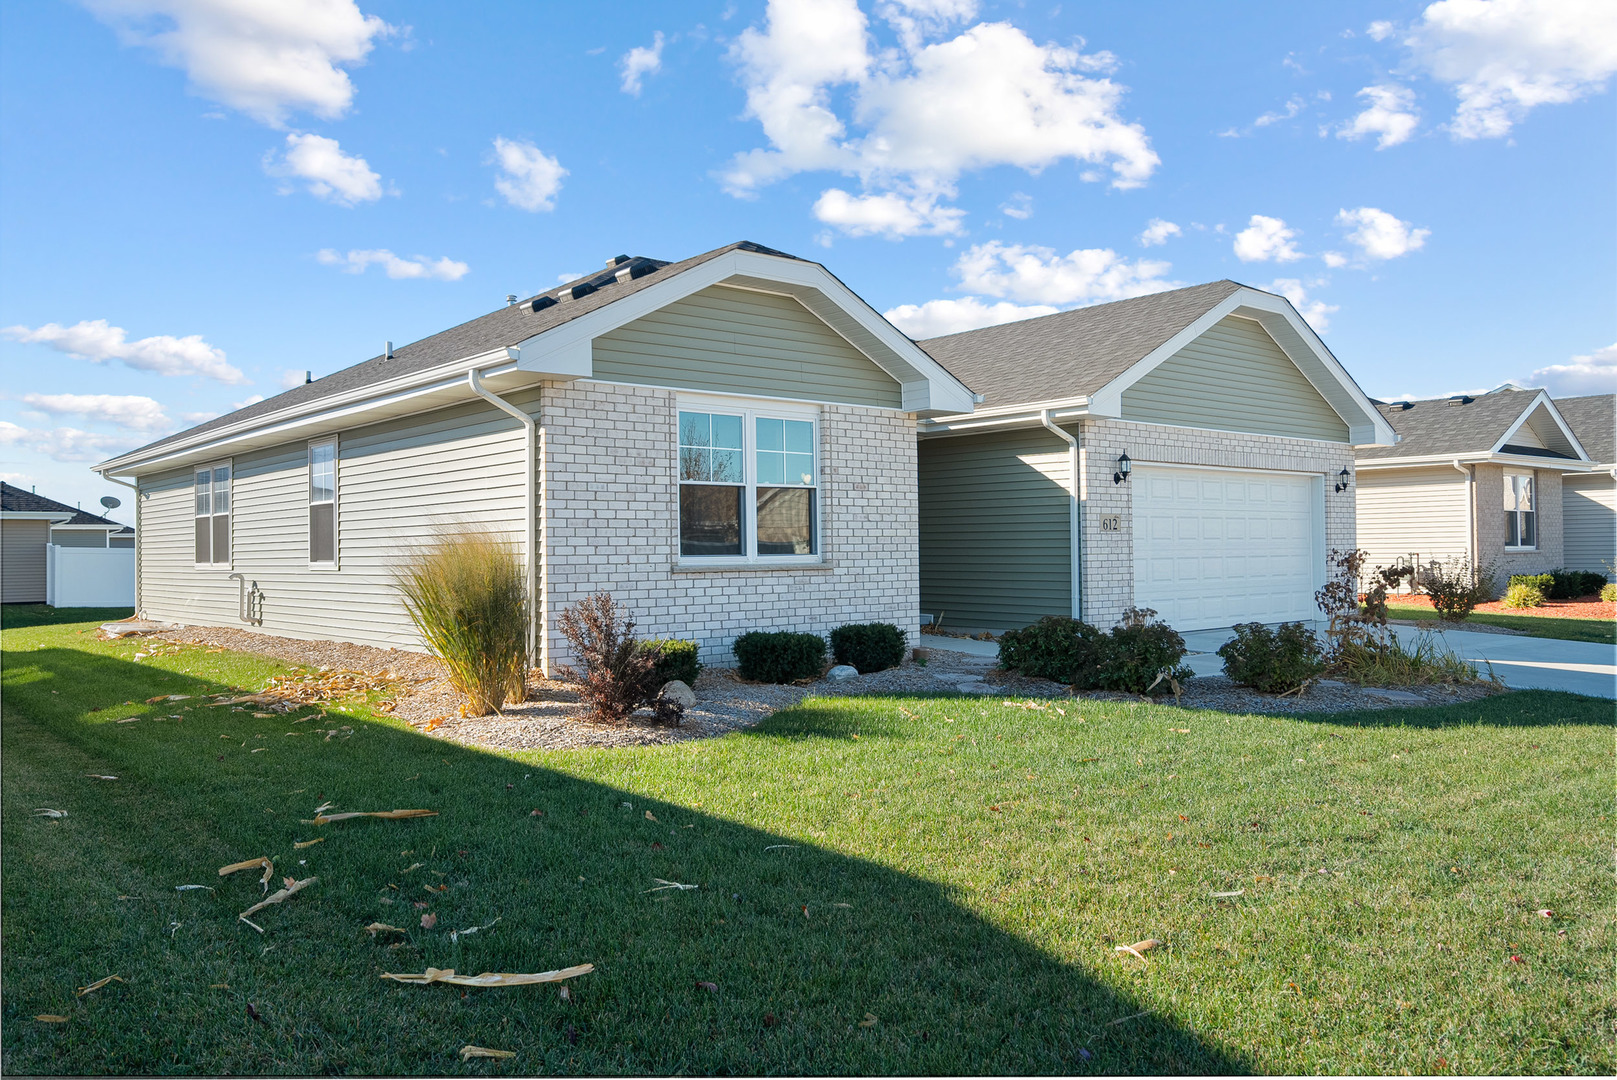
column 952, row 993
column 1518, row 708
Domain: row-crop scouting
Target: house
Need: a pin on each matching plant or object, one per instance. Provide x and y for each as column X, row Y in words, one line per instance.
column 725, row 443
column 1189, row 452
column 29, row 523
column 1589, row 500
column 1476, row 476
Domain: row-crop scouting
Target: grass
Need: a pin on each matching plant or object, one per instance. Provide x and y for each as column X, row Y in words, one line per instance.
column 990, row 858
column 1601, row 631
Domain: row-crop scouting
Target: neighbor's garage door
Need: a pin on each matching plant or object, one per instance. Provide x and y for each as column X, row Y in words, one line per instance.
column 1214, row 548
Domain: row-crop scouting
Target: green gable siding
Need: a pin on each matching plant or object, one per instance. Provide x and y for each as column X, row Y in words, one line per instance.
column 995, row 546
column 1234, row 378
column 736, row 341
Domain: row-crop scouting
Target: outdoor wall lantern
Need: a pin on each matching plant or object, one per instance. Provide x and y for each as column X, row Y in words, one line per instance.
column 1123, row 467
column 1343, row 479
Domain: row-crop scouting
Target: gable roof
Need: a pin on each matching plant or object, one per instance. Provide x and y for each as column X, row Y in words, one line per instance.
column 1593, row 420
column 1464, row 425
column 14, row 500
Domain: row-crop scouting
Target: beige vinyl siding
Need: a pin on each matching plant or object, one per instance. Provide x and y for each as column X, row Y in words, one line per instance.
column 1423, row 513
column 397, row 483
column 994, row 529
column 1589, row 518
column 22, row 561
column 85, row 538
column 1234, row 378
column 737, row 341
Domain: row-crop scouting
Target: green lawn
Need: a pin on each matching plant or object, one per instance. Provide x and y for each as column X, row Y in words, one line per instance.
column 1601, row 631
column 957, row 869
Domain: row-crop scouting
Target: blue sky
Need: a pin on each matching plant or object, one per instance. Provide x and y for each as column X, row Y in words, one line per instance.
column 198, row 197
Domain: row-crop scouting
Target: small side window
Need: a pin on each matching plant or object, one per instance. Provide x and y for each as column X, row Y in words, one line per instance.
column 212, row 484
column 323, row 504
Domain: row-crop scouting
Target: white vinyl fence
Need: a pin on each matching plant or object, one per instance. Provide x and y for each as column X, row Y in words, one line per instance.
column 89, row 577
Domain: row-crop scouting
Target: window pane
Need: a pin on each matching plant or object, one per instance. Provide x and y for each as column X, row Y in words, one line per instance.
column 1524, row 493
column 1529, row 529
column 322, row 472
column 322, row 533
column 726, row 465
column 204, row 537
column 800, row 468
column 727, row 431
column 799, row 436
column 695, row 463
column 694, row 429
column 221, row 491
column 202, row 491
column 1510, row 493
column 221, row 538
column 770, row 436
column 771, row 468
column 785, row 521
column 1511, row 539
column 709, row 520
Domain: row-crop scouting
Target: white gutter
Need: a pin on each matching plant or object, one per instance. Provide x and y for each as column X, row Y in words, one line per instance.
column 530, row 430
column 1470, row 513
column 1072, row 509
column 138, row 533
column 1526, row 461
column 1008, row 416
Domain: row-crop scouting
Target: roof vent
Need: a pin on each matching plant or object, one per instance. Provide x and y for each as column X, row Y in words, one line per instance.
column 542, row 302
column 637, row 269
column 510, row 299
column 617, row 260
column 577, row 292
column 387, row 350
column 1405, row 406
column 308, row 377
column 1461, row 399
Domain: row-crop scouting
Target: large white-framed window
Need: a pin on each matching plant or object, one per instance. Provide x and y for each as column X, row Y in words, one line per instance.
column 213, row 502
column 323, row 504
column 1521, row 511
column 748, row 482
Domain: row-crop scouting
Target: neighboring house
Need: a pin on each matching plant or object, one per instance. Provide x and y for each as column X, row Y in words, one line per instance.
column 1589, row 500
column 1238, row 425
column 1479, row 477
column 30, row 522
column 725, row 444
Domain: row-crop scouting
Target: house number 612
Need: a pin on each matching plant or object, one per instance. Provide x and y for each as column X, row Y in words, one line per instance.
column 1111, row 523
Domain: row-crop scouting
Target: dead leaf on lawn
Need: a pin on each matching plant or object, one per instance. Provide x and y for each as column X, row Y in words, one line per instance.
column 98, row 984
column 391, row 815
column 99, row 776
column 51, row 1018
column 870, row 1020
column 469, row 1052
column 188, row 888
column 1222, row 895
column 488, row 978
column 650, row 816
column 278, row 896
column 710, row 987
column 45, row 811
column 1138, row 948
column 296, row 844
column 428, row 921
column 663, row 883
column 383, row 928
column 261, row 862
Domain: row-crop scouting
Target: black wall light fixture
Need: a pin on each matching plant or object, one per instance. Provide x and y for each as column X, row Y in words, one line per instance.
column 1124, row 465
column 1343, row 479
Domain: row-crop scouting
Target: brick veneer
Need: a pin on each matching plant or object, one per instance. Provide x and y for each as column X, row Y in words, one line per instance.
column 611, row 522
column 1490, row 510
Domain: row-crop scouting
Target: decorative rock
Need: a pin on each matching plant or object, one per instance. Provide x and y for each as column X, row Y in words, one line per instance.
column 841, row 672
column 678, row 693
column 1403, row 696
column 921, row 655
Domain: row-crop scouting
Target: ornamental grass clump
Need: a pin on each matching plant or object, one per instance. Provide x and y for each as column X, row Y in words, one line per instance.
column 1522, row 594
column 620, row 674
column 466, row 594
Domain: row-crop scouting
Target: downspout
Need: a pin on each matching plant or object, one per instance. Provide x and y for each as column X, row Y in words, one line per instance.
column 530, row 428
column 135, row 487
column 1072, row 509
column 1470, row 513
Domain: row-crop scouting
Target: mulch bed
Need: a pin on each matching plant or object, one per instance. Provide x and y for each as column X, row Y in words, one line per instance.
column 1588, row 607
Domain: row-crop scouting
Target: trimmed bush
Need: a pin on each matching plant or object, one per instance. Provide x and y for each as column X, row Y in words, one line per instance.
column 1608, row 592
column 1573, row 584
column 871, row 646
column 466, row 593
column 674, row 659
column 780, row 656
column 1544, row 583
column 1130, row 658
column 1456, row 587
column 620, row 674
column 1273, row 661
column 1052, row 648
column 1523, row 595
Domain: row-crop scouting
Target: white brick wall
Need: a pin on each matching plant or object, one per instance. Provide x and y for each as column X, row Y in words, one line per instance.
column 611, row 523
column 1108, row 558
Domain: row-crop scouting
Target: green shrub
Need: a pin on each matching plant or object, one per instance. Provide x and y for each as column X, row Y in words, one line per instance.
column 1138, row 656
column 1544, row 583
column 466, row 593
column 674, row 659
column 1608, row 591
column 1523, row 595
column 1573, row 584
column 1274, row 661
column 780, row 656
column 1052, row 648
column 871, row 646
column 1456, row 587
column 620, row 674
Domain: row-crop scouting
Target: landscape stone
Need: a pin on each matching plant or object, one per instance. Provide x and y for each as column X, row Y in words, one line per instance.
column 678, row 693
column 1401, row 696
column 841, row 672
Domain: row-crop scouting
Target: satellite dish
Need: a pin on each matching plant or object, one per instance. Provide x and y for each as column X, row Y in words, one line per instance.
column 111, row 502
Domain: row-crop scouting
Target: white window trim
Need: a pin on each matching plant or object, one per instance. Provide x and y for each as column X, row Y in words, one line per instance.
column 336, row 547
column 1532, row 479
column 229, row 563
column 751, row 410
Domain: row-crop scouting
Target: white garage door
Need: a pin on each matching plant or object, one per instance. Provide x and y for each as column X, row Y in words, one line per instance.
column 1215, row 548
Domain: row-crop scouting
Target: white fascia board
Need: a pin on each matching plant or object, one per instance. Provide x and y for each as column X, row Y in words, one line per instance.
column 89, row 528
column 1476, row 458
column 1005, row 417
column 53, row 516
column 1543, row 398
column 1366, row 425
column 927, row 387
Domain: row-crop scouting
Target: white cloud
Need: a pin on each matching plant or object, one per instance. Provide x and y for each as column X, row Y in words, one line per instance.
column 1594, row 373
column 267, row 58
column 938, row 317
column 889, row 215
column 1389, row 114
column 529, row 178
column 925, row 112
column 1507, row 57
column 641, row 61
column 251, row 399
column 1266, row 238
column 1316, row 312
column 1379, row 235
column 329, row 173
column 1018, row 206
column 290, row 379
column 1294, row 105
column 1038, row 275
column 1157, row 232
column 96, row 341
column 126, row 410
column 416, row 266
column 1333, row 259
column 66, row 443
column 1380, row 30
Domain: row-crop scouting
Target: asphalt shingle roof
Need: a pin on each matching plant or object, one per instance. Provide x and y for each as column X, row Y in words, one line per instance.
column 1070, row 353
column 17, row 500
column 1593, row 420
column 1437, row 426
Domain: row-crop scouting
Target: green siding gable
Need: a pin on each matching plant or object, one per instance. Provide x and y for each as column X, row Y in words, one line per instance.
column 994, row 541
column 1234, row 378
column 741, row 342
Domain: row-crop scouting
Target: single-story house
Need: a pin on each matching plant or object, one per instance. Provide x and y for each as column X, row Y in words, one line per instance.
column 1189, row 452
column 28, row 523
column 1589, row 500
column 725, row 443
column 1476, row 476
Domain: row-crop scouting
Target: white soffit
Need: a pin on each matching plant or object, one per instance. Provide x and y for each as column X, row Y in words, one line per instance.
column 1543, row 419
